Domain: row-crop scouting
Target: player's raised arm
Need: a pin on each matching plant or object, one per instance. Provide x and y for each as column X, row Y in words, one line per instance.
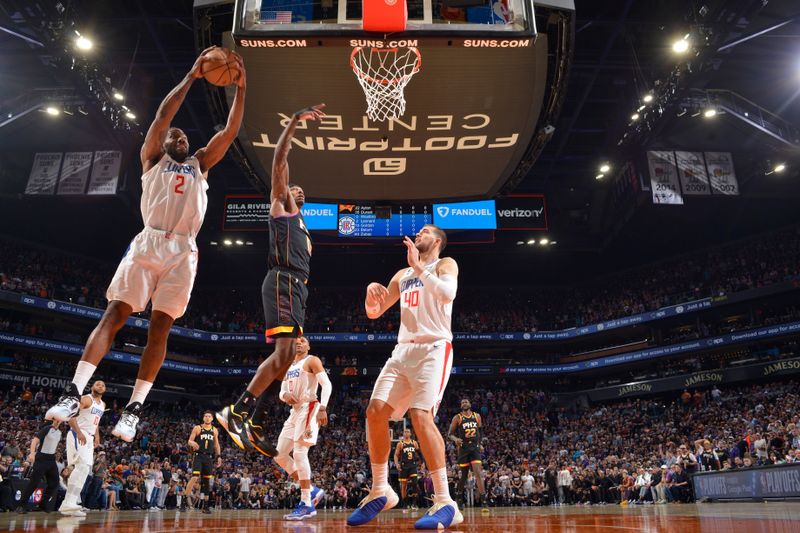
column 152, row 148
column 217, row 448
column 280, row 161
column 219, row 143
column 379, row 298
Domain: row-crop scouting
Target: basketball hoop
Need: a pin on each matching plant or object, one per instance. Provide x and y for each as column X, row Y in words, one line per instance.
column 383, row 74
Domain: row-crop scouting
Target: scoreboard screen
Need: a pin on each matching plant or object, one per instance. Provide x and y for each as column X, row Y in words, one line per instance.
column 370, row 221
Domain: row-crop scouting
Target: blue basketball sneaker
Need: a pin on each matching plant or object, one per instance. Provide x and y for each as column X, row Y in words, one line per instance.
column 370, row 506
column 316, row 495
column 440, row 516
column 301, row 512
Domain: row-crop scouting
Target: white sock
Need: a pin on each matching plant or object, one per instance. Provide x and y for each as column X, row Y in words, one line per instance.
column 441, row 492
column 380, row 476
column 305, row 496
column 140, row 391
column 83, row 373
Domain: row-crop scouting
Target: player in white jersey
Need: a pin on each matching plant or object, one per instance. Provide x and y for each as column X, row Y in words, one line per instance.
column 81, row 445
column 415, row 376
column 300, row 431
column 161, row 261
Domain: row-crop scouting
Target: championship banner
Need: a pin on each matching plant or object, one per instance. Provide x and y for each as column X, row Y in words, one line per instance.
column 44, row 173
column 74, row 172
column 105, row 172
column 692, row 173
column 664, row 178
column 722, row 173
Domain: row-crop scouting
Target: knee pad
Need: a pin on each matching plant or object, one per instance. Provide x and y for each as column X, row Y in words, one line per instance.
column 301, row 462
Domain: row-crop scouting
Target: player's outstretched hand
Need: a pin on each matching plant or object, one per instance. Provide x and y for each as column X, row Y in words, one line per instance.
column 322, row 417
column 194, row 446
column 377, row 293
column 197, row 70
column 412, row 254
column 310, row 113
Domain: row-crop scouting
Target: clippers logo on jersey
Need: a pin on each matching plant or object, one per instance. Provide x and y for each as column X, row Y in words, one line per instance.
column 410, row 284
column 178, row 168
column 293, row 373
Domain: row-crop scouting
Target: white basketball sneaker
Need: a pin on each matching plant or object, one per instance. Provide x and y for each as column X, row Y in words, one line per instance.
column 126, row 426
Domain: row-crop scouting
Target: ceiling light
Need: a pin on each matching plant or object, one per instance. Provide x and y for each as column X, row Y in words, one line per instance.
column 641, row 107
column 52, row 110
column 532, row 241
column 779, row 168
column 118, row 96
column 227, row 242
column 544, row 241
column 520, row 243
column 552, row 243
column 83, row 43
column 710, row 112
column 249, row 243
column 239, row 242
column 130, row 115
column 213, row 243
column 600, row 176
column 635, row 116
column 680, row 46
column 647, row 98
column 605, row 167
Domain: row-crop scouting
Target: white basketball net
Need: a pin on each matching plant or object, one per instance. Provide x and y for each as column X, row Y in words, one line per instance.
column 383, row 74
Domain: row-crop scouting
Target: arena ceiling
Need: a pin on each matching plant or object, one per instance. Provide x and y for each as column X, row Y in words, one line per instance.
column 622, row 51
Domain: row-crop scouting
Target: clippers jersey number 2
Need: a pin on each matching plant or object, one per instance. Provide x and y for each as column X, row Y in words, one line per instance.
column 180, row 180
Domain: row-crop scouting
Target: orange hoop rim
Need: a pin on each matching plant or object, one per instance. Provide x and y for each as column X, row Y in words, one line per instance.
column 363, row 76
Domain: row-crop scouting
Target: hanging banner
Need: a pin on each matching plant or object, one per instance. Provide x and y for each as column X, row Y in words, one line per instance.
column 664, row 178
column 722, row 173
column 44, row 173
column 74, row 172
column 105, row 172
column 692, row 173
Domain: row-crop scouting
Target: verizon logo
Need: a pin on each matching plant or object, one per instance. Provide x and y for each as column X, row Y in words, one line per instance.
column 520, row 213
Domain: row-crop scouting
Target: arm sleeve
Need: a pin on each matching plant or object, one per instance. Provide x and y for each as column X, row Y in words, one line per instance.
column 284, row 391
column 444, row 288
column 325, row 384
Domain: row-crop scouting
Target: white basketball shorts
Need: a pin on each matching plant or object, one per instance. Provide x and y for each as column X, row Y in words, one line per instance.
column 302, row 426
column 415, row 377
column 77, row 453
column 158, row 266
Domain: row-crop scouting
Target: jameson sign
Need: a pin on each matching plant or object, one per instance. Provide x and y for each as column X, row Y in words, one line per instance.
column 696, row 380
column 777, row 481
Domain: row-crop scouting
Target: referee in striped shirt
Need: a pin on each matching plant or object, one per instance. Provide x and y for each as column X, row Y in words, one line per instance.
column 43, row 458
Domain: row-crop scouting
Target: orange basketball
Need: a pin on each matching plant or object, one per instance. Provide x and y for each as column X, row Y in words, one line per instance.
column 219, row 67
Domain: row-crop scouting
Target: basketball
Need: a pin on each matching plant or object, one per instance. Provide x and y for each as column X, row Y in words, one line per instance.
column 220, row 68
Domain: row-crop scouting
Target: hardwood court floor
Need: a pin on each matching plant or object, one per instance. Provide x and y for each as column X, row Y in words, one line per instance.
column 712, row 518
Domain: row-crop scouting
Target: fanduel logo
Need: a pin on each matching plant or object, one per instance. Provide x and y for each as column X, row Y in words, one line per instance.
column 470, row 212
column 443, row 211
column 318, row 212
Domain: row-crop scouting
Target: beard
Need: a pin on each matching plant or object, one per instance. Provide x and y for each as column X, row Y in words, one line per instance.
column 178, row 155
